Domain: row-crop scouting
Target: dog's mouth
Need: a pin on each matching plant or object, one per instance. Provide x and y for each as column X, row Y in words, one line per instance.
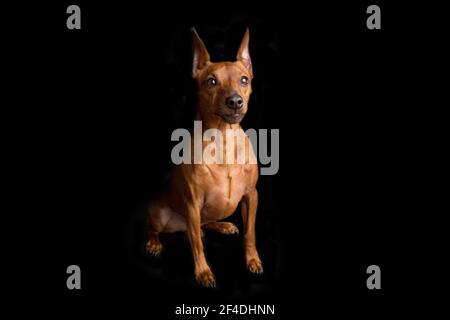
column 232, row 118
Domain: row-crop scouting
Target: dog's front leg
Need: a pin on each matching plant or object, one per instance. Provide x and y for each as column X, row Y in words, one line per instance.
column 248, row 209
column 203, row 273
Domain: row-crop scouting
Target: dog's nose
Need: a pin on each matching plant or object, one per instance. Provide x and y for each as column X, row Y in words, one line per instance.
column 234, row 102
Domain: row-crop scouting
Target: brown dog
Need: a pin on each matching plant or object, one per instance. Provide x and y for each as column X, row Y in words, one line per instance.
column 202, row 194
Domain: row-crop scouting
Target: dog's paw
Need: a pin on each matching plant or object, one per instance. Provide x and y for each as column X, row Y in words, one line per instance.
column 223, row 227
column 206, row 279
column 153, row 247
column 255, row 266
column 228, row 228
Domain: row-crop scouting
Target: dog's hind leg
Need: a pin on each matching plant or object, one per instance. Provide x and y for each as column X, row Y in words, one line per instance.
column 153, row 245
column 154, row 227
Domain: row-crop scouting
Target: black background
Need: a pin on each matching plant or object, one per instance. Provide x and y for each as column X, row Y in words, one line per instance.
column 107, row 97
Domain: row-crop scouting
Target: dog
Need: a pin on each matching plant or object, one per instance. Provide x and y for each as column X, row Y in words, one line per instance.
column 200, row 195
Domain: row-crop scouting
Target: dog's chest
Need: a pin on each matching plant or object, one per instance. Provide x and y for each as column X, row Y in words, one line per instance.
column 226, row 186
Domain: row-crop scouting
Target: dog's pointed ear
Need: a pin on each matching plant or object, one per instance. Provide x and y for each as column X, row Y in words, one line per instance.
column 243, row 54
column 200, row 54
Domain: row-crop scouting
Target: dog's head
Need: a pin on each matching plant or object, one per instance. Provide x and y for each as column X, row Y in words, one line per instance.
column 223, row 87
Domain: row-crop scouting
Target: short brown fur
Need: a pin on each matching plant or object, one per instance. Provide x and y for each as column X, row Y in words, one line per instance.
column 202, row 194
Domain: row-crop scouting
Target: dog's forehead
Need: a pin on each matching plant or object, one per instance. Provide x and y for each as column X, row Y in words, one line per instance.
column 230, row 69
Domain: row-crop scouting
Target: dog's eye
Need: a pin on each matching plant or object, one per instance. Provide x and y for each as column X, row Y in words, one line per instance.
column 244, row 80
column 212, row 82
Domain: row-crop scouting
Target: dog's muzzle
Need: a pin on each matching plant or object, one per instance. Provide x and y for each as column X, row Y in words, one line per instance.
column 234, row 102
column 233, row 118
